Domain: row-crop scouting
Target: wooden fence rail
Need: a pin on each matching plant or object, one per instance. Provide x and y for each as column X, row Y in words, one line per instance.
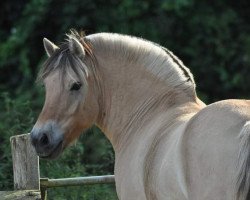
column 62, row 182
column 46, row 183
column 27, row 182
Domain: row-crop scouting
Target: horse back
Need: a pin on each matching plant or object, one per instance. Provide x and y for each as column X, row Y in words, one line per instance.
column 211, row 142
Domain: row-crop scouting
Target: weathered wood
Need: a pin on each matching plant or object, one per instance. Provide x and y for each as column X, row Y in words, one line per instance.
column 25, row 163
column 77, row 181
column 20, row 195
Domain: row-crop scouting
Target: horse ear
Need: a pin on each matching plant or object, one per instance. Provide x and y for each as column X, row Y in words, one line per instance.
column 49, row 46
column 76, row 47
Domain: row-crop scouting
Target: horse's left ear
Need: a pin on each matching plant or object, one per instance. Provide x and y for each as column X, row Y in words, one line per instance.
column 49, row 46
column 76, row 48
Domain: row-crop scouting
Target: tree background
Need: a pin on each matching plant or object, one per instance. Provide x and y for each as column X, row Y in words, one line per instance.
column 212, row 38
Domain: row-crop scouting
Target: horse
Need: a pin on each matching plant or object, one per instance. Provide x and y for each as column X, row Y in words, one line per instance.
column 168, row 144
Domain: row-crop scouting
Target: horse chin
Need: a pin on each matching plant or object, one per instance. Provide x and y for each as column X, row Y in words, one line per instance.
column 55, row 153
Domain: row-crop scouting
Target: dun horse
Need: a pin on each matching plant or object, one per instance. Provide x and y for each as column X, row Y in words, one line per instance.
column 168, row 144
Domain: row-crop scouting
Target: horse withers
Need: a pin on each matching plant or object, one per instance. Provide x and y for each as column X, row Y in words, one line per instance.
column 168, row 144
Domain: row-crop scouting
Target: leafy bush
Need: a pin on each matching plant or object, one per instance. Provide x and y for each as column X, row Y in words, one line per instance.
column 15, row 116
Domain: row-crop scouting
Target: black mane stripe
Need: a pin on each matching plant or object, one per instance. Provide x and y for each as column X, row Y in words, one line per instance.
column 180, row 64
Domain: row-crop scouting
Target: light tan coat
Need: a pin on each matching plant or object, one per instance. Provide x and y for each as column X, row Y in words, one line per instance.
column 168, row 144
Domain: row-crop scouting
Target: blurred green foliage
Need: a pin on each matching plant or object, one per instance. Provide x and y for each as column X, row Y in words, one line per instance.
column 212, row 38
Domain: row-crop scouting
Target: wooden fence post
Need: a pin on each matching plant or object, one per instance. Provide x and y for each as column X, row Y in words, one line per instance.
column 25, row 163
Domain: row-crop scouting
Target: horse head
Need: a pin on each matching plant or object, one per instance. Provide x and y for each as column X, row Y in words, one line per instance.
column 69, row 108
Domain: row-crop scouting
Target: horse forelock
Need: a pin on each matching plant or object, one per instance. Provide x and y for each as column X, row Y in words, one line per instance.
column 67, row 63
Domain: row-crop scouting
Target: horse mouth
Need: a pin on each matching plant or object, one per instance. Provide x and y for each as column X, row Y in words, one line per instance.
column 55, row 153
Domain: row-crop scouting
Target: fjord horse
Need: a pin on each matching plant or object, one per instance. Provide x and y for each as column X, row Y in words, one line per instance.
column 168, row 144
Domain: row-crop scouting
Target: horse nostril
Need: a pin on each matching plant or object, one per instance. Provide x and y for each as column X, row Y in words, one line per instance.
column 44, row 140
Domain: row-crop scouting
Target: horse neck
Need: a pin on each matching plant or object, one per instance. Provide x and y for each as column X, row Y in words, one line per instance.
column 132, row 95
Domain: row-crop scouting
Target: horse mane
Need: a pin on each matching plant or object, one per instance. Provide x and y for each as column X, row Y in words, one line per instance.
column 158, row 60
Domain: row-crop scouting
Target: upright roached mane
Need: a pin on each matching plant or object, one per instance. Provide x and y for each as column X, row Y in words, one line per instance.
column 158, row 60
column 168, row 144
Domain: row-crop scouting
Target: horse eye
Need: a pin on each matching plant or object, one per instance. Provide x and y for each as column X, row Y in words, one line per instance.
column 76, row 86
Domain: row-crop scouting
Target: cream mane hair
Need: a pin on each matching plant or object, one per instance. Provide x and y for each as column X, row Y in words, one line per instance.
column 158, row 60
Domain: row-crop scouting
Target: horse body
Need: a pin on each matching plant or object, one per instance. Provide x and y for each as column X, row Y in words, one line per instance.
column 191, row 159
column 168, row 144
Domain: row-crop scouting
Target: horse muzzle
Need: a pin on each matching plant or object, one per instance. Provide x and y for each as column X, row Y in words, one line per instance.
column 47, row 140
